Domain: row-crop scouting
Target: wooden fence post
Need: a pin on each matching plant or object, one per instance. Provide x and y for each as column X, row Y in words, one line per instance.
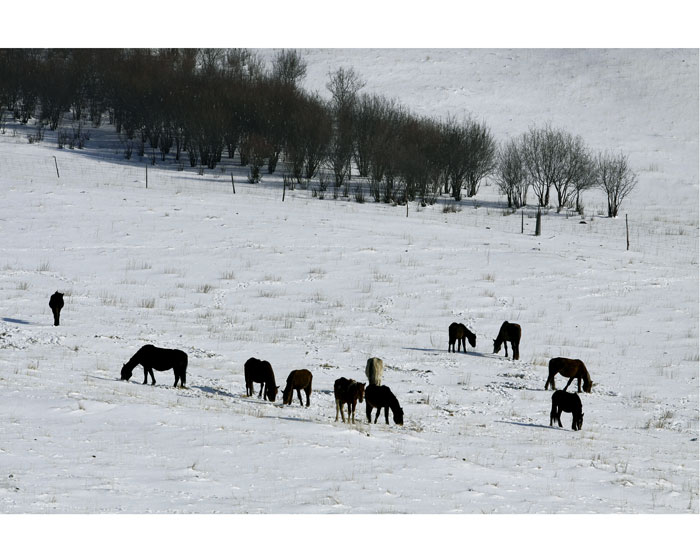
column 56, row 162
column 232, row 185
column 627, row 227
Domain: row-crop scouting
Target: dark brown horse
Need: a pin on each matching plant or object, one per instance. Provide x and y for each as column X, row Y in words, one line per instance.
column 380, row 396
column 566, row 402
column 298, row 379
column 56, row 304
column 347, row 391
column 573, row 369
column 509, row 332
column 260, row 371
column 459, row 332
column 160, row 359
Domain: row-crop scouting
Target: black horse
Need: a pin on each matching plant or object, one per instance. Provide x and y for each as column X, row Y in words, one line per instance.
column 299, row 379
column 380, row 396
column 459, row 333
column 566, row 402
column 56, row 304
column 260, row 371
column 160, row 359
column 509, row 332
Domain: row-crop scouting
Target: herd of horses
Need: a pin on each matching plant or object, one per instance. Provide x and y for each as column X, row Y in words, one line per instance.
column 348, row 392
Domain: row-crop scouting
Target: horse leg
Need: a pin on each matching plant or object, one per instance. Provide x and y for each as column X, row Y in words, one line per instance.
column 145, row 375
column 337, row 409
column 379, row 409
column 552, row 414
column 569, row 383
column 368, row 411
column 579, row 384
column 516, row 350
column 153, row 379
column 505, row 347
column 386, row 414
column 262, row 386
column 308, row 396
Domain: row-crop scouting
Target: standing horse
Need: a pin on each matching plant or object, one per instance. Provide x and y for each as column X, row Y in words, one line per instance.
column 56, row 304
column 260, row 371
column 573, row 369
column 381, row 397
column 347, row 391
column 459, row 332
column 509, row 332
column 160, row 359
column 566, row 402
column 298, row 379
column 373, row 371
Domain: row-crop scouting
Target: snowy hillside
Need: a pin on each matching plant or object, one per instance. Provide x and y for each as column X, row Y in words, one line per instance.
column 326, row 284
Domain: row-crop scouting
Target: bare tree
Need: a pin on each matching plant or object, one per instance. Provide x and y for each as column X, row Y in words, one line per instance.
column 510, row 174
column 616, row 179
column 479, row 155
column 289, row 67
column 539, row 152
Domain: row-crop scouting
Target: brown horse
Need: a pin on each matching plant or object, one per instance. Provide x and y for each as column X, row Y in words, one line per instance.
column 509, row 332
column 573, row 369
column 566, row 402
column 260, row 371
column 458, row 332
column 56, row 304
column 347, row 391
column 381, row 397
column 298, row 379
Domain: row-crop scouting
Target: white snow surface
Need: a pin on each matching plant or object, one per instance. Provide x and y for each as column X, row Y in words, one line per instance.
column 326, row 284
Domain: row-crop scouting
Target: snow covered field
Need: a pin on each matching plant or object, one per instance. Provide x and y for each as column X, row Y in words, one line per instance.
column 325, row 284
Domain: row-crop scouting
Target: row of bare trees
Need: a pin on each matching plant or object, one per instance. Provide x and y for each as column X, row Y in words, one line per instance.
column 546, row 159
column 199, row 104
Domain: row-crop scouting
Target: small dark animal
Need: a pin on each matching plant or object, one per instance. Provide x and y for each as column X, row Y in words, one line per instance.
column 381, row 397
column 566, row 402
column 56, row 304
column 260, row 371
column 573, row 369
column 509, row 332
column 373, row 371
column 347, row 391
column 160, row 359
column 459, row 332
column 298, row 379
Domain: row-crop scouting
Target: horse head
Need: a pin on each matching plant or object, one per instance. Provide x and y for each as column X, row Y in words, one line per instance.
column 398, row 416
column 472, row 339
column 496, row 346
column 361, row 392
column 578, row 423
column 125, row 373
column 272, row 392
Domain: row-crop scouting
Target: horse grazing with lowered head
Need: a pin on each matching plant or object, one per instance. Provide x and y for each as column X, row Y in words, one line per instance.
column 573, row 369
column 347, row 391
column 160, row 359
column 260, row 371
column 459, row 333
column 566, row 402
column 56, row 304
column 299, row 379
column 374, row 370
column 380, row 396
column 509, row 332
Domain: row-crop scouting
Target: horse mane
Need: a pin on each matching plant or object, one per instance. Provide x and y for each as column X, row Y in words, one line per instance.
column 587, row 383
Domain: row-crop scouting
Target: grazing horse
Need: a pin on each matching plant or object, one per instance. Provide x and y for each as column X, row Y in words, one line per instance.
column 260, row 371
column 459, row 332
column 298, row 379
column 374, row 370
column 509, row 332
column 573, row 369
column 347, row 391
column 566, row 402
column 160, row 359
column 381, row 397
column 56, row 304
